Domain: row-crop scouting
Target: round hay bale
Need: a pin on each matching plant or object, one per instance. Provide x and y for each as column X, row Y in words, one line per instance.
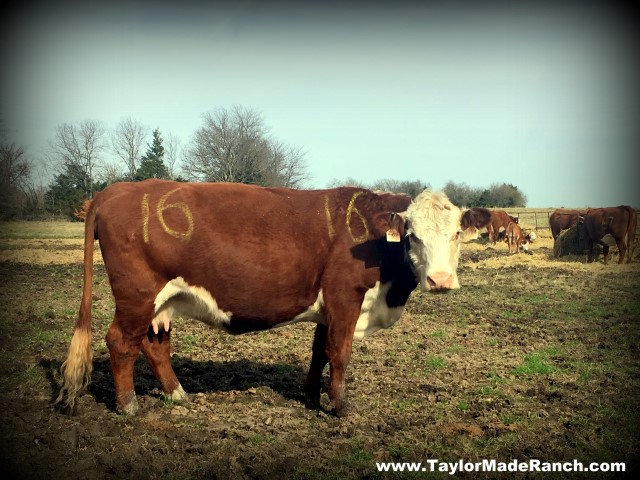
column 573, row 241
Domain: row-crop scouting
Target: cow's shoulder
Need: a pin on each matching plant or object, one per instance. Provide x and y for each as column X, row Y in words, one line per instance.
column 361, row 213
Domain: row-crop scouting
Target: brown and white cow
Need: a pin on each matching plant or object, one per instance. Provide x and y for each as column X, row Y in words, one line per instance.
column 516, row 238
column 611, row 226
column 245, row 258
column 562, row 219
column 500, row 220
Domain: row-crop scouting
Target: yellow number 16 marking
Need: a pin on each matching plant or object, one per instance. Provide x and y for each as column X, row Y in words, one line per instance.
column 160, row 209
column 351, row 210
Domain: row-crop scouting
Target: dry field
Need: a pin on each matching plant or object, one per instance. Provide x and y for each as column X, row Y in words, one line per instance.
column 533, row 358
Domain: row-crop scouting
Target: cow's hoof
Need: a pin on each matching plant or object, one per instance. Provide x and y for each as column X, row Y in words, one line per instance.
column 341, row 409
column 129, row 406
column 178, row 395
column 312, row 402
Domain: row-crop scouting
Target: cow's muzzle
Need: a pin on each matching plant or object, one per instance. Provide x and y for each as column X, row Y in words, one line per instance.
column 440, row 281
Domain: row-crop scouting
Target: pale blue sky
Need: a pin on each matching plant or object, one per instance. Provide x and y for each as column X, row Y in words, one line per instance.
column 545, row 98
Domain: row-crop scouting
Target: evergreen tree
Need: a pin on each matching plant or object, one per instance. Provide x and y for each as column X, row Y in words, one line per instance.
column 67, row 191
column 152, row 165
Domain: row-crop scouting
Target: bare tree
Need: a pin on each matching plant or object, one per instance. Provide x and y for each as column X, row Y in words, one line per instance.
column 15, row 170
column 78, row 148
column 127, row 141
column 111, row 173
column 35, row 194
column 233, row 146
column 410, row 187
column 284, row 167
column 14, row 166
column 462, row 194
column 347, row 182
column 171, row 155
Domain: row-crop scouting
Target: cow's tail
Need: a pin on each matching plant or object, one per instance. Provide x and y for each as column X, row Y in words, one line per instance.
column 76, row 369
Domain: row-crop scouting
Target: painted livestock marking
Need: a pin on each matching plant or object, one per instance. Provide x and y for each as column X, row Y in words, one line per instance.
column 351, row 209
column 145, row 218
column 327, row 214
column 161, row 207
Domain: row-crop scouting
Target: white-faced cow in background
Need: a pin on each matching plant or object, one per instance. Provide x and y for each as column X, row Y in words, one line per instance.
column 516, row 239
column 245, row 258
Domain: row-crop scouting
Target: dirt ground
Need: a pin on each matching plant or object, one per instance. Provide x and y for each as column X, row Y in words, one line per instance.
column 533, row 358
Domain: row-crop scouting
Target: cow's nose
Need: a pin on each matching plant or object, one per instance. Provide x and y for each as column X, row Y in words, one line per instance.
column 440, row 281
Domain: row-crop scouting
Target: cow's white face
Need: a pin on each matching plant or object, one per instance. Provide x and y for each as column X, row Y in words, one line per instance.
column 433, row 227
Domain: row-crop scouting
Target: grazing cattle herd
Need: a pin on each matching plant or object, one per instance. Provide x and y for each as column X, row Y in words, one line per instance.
column 245, row 258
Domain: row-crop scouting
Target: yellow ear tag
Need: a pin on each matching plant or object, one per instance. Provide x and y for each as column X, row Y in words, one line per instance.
column 393, row 235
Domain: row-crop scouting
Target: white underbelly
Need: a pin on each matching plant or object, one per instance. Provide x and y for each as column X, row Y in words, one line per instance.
column 198, row 303
column 374, row 312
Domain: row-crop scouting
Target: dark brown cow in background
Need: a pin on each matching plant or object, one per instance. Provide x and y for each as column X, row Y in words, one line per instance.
column 500, row 220
column 612, row 225
column 477, row 218
column 245, row 258
column 562, row 219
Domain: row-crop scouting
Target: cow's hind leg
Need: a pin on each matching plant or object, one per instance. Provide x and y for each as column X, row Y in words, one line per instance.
column 605, row 252
column 622, row 250
column 157, row 350
column 124, row 347
column 589, row 249
column 319, row 360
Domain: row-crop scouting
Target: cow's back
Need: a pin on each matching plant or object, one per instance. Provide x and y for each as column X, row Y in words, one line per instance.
column 563, row 218
column 237, row 242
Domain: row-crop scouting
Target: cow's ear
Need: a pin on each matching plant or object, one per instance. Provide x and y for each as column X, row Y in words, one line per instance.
column 391, row 225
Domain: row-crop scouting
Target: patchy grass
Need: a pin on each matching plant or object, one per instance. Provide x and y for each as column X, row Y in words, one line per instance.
column 39, row 230
column 535, row 364
column 532, row 358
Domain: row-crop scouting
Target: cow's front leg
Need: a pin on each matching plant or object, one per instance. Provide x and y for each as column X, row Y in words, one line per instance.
column 123, row 351
column 319, row 360
column 338, row 350
column 337, row 372
column 157, row 350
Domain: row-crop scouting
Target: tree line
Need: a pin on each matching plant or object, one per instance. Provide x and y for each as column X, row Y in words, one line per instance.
column 501, row 195
column 232, row 145
column 496, row 195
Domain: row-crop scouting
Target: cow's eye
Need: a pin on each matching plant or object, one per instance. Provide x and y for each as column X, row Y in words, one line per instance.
column 457, row 235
